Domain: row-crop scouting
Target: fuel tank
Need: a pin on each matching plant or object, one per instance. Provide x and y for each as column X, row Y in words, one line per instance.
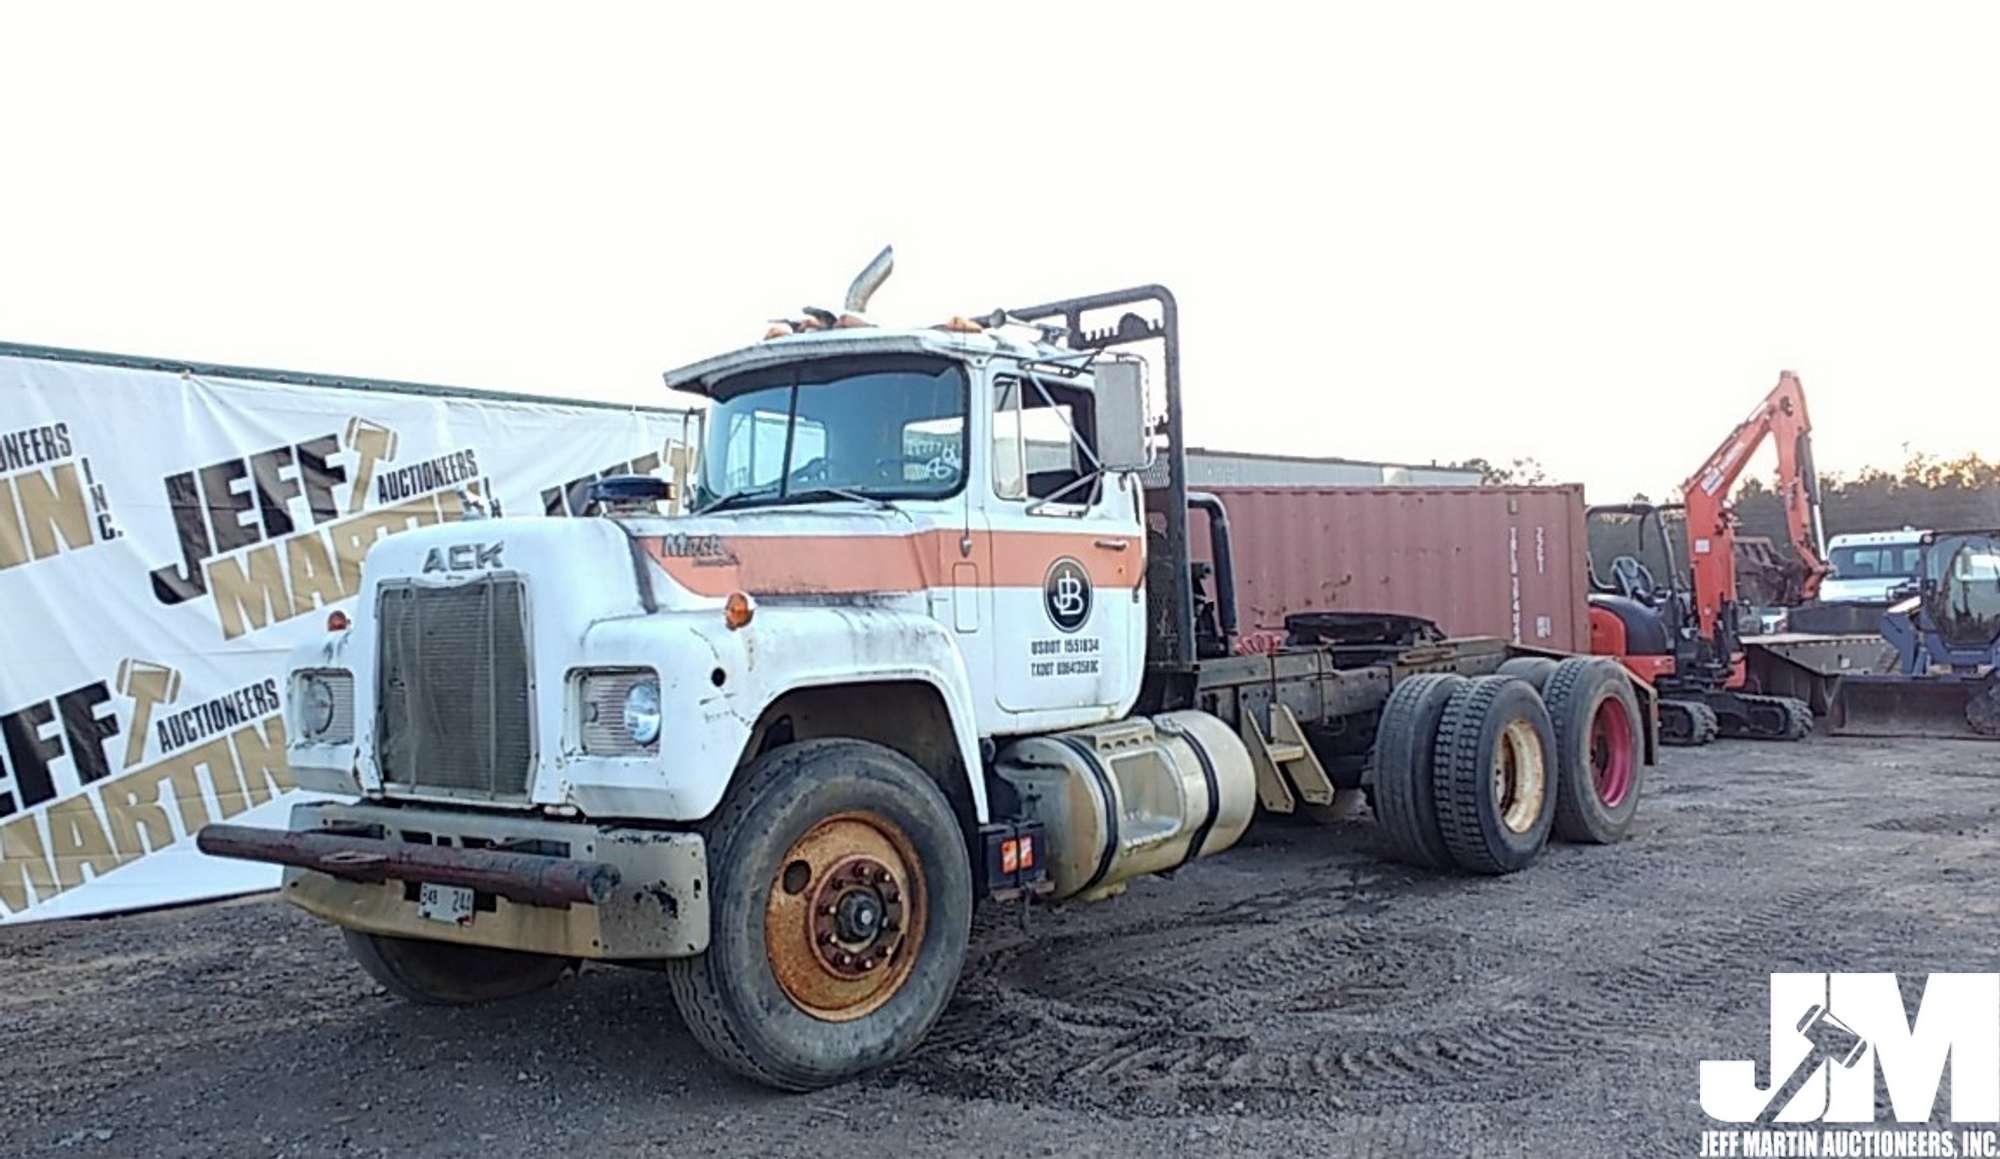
column 1136, row 796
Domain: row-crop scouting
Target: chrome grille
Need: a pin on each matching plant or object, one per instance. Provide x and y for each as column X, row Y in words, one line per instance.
column 454, row 709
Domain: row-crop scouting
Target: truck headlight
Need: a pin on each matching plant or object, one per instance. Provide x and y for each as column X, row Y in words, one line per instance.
column 324, row 703
column 642, row 712
column 619, row 712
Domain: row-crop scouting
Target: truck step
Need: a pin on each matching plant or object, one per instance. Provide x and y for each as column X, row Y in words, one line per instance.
column 1287, row 769
column 1300, row 763
column 1274, row 792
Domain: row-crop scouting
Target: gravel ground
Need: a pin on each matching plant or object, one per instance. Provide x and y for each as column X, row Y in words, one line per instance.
column 1295, row 994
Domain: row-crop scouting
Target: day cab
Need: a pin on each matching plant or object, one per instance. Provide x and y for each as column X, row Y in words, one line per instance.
column 926, row 636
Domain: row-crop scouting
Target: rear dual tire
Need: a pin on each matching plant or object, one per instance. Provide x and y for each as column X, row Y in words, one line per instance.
column 1405, row 746
column 1599, row 749
column 1494, row 776
column 1466, row 771
column 1536, row 670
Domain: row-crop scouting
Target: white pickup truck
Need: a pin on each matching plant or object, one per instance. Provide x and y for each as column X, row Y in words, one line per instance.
column 1869, row 566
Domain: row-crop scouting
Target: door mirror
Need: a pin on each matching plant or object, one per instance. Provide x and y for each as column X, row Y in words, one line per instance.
column 1120, row 390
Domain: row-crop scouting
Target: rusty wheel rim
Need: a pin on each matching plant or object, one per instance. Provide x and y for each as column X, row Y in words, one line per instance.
column 1520, row 779
column 845, row 920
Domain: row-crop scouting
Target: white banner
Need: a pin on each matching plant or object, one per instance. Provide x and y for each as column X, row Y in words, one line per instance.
column 166, row 539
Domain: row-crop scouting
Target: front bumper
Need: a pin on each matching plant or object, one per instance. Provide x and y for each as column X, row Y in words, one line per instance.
column 646, row 890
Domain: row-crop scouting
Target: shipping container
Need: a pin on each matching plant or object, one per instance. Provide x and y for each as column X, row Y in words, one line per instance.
column 1481, row 561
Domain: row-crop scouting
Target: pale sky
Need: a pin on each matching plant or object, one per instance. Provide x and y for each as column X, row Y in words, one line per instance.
column 1588, row 233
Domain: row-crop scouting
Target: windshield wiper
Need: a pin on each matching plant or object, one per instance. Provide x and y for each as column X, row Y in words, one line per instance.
column 814, row 494
column 804, row 495
column 735, row 497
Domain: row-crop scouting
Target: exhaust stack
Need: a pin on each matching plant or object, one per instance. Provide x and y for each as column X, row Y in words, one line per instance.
column 870, row 279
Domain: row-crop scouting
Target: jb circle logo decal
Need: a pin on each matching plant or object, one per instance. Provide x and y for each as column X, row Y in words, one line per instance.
column 1066, row 594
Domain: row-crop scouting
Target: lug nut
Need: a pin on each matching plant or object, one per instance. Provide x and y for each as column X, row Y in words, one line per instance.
column 892, row 894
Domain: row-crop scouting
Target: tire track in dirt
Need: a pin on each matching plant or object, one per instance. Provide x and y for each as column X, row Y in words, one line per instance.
column 1134, row 1042
column 1962, row 824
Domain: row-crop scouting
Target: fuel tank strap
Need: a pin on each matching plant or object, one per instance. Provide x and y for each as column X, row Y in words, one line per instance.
column 1109, row 796
column 1207, row 774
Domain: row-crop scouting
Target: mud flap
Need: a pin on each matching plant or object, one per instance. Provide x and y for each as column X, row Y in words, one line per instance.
column 1951, row 707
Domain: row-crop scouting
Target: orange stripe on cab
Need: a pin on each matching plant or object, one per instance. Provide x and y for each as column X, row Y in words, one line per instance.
column 776, row 565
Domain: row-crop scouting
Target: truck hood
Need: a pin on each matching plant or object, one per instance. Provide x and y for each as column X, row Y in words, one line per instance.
column 840, row 551
column 1860, row 590
column 618, row 566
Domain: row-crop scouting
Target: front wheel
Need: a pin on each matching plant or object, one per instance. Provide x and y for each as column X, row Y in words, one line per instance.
column 841, row 906
column 444, row 974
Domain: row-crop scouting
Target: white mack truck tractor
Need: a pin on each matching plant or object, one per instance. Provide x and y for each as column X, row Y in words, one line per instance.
column 930, row 635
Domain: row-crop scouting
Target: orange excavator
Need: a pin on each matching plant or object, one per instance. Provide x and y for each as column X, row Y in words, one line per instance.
column 1675, row 626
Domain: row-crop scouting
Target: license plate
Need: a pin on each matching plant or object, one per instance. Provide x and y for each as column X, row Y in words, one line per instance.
column 449, row 904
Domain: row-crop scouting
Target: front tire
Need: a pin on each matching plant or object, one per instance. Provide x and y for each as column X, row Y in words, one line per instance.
column 446, row 974
column 840, row 910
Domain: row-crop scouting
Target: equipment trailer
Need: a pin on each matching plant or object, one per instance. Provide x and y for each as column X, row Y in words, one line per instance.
column 891, row 665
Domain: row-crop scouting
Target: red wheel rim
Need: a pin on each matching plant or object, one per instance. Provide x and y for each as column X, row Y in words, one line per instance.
column 1611, row 751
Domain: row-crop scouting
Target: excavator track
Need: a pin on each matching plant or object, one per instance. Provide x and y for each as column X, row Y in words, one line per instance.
column 1687, row 723
column 1755, row 717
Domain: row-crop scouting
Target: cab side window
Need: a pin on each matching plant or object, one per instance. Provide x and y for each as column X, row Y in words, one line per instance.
column 1043, row 442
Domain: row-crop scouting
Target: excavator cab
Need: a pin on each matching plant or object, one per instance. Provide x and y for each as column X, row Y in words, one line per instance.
column 1641, row 598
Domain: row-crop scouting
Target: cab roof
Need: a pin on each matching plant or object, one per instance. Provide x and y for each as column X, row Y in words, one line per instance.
column 1875, row 538
column 701, row 377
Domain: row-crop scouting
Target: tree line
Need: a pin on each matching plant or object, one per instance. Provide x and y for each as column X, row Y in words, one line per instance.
column 1927, row 492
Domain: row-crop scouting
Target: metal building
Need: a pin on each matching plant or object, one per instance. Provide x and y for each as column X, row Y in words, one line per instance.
column 1211, row 468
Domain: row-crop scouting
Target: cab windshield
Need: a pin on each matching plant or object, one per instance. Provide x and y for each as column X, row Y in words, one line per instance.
column 1877, row 561
column 869, row 428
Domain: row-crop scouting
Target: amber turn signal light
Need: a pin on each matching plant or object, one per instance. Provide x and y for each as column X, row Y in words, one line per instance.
column 738, row 610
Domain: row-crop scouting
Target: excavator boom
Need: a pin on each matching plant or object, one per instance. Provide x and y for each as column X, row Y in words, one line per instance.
column 1781, row 417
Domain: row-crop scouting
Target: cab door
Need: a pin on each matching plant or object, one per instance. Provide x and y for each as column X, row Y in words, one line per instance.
column 1067, row 552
